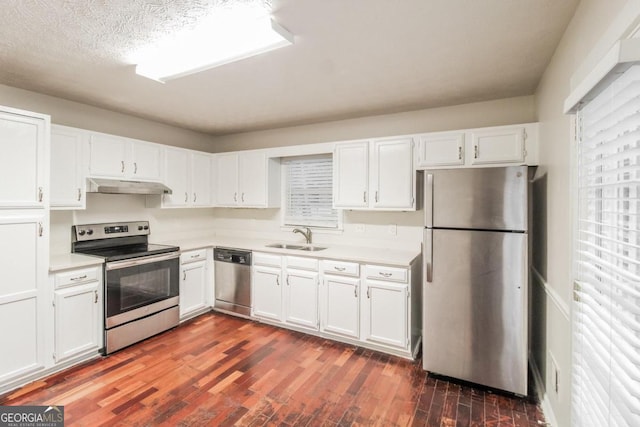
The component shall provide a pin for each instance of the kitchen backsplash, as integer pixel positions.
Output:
(394, 230)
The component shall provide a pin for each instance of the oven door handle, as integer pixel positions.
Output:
(116, 265)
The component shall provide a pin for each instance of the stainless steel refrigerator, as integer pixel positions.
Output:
(476, 275)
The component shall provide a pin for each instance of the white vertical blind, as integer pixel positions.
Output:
(309, 192)
(606, 310)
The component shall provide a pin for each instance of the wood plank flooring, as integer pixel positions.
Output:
(220, 371)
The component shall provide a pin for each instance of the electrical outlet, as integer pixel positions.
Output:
(393, 229)
(554, 375)
(360, 228)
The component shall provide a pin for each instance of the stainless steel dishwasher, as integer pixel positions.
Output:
(233, 281)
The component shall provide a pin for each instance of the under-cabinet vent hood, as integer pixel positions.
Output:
(116, 186)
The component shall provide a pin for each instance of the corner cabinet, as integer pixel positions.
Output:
(24, 252)
(188, 175)
(68, 147)
(247, 179)
(376, 175)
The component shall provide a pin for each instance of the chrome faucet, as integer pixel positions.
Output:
(307, 234)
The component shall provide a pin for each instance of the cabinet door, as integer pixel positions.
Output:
(67, 177)
(386, 313)
(498, 145)
(253, 179)
(22, 163)
(23, 279)
(341, 306)
(393, 174)
(192, 287)
(77, 320)
(200, 179)
(266, 293)
(227, 179)
(176, 177)
(146, 161)
(107, 156)
(441, 149)
(301, 298)
(351, 175)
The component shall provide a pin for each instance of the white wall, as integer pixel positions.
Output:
(74, 114)
(480, 114)
(594, 28)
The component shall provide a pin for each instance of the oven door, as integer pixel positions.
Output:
(139, 287)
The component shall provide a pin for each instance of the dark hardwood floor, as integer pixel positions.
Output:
(220, 370)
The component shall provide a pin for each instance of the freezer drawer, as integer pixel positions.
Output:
(477, 198)
(475, 307)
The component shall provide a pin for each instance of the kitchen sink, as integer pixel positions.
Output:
(296, 247)
(313, 248)
(284, 246)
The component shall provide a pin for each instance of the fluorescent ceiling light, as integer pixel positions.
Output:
(228, 34)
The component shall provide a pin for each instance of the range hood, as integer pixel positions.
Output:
(116, 186)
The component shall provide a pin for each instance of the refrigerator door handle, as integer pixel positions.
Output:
(428, 255)
(428, 200)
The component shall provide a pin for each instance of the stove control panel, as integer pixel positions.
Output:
(110, 230)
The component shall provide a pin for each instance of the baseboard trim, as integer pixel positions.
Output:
(553, 295)
(547, 409)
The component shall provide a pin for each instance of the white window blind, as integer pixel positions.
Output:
(309, 192)
(606, 310)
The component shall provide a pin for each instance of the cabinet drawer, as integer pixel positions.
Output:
(267, 259)
(193, 256)
(302, 263)
(76, 277)
(340, 267)
(387, 273)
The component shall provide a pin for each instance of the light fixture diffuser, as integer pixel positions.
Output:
(227, 35)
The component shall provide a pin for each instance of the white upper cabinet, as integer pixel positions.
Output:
(505, 144)
(392, 177)
(247, 179)
(351, 175)
(188, 174)
(23, 164)
(441, 149)
(67, 172)
(118, 157)
(491, 146)
(375, 174)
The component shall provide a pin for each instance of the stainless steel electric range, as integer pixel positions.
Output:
(141, 280)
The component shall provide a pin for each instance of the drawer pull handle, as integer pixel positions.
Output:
(339, 268)
(195, 256)
(383, 274)
(79, 278)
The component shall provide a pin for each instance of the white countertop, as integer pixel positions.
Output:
(59, 262)
(394, 257)
(384, 256)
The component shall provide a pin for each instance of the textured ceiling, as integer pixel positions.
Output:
(351, 58)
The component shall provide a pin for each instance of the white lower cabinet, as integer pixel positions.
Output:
(193, 283)
(385, 313)
(368, 305)
(301, 292)
(266, 287)
(341, 306)
(77, 301)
